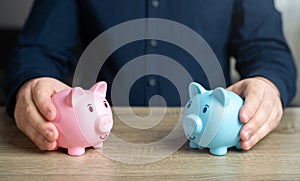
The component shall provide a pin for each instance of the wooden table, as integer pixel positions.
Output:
(277, 157)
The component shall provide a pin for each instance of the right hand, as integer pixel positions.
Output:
(34, 111)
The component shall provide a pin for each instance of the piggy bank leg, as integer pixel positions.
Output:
(76, 151)
(218, 151)
(193, 145)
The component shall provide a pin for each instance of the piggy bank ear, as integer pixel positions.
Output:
(220, 94)
(100, 88)
(195, 88)
(73, 95)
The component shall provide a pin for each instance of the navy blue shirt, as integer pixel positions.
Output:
(249, 30)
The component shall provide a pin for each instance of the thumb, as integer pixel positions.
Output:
(43, 101)
(42, 91)
(237, 88)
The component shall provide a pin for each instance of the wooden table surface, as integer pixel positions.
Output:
(277, 157)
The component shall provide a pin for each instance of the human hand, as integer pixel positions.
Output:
(262, 110)
(34, 111)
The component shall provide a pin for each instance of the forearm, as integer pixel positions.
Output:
(260, 48)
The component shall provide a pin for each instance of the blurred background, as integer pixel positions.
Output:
(13, 14)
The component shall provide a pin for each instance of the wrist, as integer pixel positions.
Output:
(271, 84)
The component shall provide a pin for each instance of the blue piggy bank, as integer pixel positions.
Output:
(211, 119)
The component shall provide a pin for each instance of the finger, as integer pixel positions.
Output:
(266, 128)
(41, 95)
(253, 98)
(36, 120)
(260, 117)
(237, 88)
(41, 142)
(28, 112)
(25, 126)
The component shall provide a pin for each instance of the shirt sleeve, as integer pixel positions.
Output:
(259, 46)
(45, 46)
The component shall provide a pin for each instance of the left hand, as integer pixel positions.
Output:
(262, 110)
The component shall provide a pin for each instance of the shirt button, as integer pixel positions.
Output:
(152, 82)
(153, 43)
(155, 3)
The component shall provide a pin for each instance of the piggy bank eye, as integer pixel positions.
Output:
(90, 107)
(105, 104)
(189, 104)
(205, 108)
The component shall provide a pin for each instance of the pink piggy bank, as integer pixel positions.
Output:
(83, 118)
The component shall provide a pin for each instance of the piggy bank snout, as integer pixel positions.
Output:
(192, 124)
(104, 124)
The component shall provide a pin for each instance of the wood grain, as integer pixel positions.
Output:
(276, 157)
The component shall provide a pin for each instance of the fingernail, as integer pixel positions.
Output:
(246, 135)
(247, 144)
(245, 117)
(49, 114)
(53, 146)
(49, 134)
